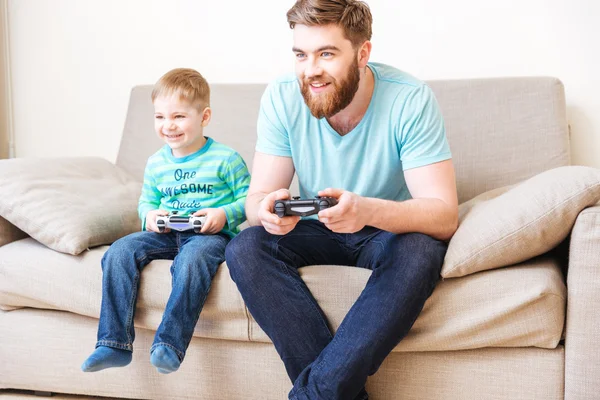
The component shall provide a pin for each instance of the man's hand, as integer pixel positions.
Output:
(349, 215)
(270, 221)
(151, 220)
(215, 220)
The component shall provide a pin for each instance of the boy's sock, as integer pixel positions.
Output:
(165, 359)
(106, 357)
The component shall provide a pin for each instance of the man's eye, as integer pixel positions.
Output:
(300, 55)
(326, 54)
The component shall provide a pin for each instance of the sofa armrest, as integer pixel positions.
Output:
(582, 335)
(9, 233)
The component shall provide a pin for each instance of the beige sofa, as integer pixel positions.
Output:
(488, 332)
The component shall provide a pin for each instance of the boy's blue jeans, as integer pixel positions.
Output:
(405, 269)
(196, 258)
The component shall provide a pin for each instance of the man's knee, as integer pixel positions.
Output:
(418, 252)
(240, 253)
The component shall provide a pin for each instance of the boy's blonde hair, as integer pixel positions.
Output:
(188, 83)
(354, 17)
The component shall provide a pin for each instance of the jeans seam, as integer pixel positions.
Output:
(115, 344)
(179, 353)
(131, 308)
(300, 390)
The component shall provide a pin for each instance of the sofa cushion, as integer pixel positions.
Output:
(513, 307)
(510, 225)
(44, 349)
(31, 275)
(69, 204)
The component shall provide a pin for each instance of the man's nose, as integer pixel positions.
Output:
(313, 69)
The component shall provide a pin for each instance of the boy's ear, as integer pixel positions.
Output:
(206, 114)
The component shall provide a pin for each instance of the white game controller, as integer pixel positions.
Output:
(179, 222)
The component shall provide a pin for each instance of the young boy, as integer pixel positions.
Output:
(193, 175)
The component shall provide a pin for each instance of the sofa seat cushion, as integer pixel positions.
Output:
(520, 306)
(32, 275)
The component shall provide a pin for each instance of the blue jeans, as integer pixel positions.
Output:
(405, 269)
(196, 258)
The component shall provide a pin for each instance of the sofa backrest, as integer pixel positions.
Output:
(501, 131)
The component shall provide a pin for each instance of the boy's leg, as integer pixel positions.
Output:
(405, 271)
(192, 272)
(265, 269)
(121, 267)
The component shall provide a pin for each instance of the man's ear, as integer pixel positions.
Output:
(206, 114)
(364, 53)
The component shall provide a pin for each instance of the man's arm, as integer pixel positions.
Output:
(270, 181)
(433, 210)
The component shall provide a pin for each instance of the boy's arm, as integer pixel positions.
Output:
(150, 197)
(238, 179)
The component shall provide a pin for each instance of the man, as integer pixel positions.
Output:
(372, 137)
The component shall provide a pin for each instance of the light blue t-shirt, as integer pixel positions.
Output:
(402, 129)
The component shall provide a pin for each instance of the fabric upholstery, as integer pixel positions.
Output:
(503, 130)
(522, 306)
(69, 204)
(582, 336)
(232, 370)
(523, 222)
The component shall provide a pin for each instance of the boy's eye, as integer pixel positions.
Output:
(180, 116)
(158, 117)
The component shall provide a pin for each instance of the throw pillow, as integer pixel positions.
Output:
(69, 204)
(511, 225)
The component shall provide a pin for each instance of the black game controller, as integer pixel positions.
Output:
(303, 208)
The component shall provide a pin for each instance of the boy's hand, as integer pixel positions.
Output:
(269, 220)
(151, 220)
(348, 215)
(215, 219)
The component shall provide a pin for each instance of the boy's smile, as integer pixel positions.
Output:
(180, 124)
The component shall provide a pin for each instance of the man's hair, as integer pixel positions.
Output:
(188, 83)
(353, 16)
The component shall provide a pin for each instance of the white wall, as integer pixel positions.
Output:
(74, 62)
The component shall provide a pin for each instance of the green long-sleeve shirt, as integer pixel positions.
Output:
(215, 176)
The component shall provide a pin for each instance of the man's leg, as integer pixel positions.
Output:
(193, 270)
(265, 269)
(405, 271)
(121, 267)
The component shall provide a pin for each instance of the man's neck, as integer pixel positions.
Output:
(347, 119)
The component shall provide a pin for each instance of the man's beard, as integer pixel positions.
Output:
(326, 105)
